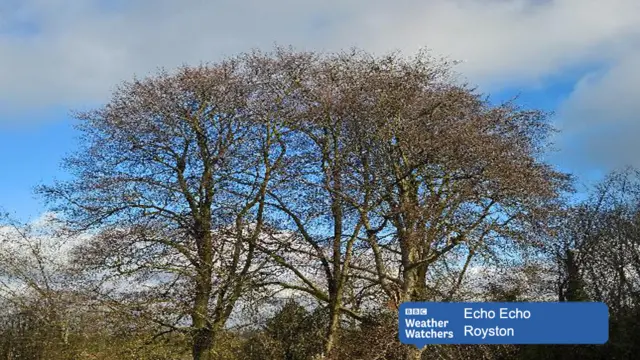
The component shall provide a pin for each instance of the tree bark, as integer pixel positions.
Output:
(202, 329)
(203, 332)
(202, 343)
(333, 328)
(334, 182)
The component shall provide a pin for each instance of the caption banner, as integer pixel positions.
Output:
(424, 323)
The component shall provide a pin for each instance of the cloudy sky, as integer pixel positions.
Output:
(577, 58)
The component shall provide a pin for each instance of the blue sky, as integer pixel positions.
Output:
(31, 155)
(577, 58)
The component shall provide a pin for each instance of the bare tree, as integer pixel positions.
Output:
(354, 173)
(420, 173)
(36, 283)
(450, 172)
(314, 199)
(173, 174)
(599, 251)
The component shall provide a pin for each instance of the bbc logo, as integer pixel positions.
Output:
(415, 311)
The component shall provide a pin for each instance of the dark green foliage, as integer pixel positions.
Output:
(293, 333)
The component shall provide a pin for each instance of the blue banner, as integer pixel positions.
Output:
(424, 323)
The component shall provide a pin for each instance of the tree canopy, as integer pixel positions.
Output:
(348, 181)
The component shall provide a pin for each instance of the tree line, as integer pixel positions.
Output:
(282, 205)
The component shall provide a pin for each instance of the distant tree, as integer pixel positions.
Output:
(37, 289)
(298, 330)
(598, 255)
(292, 333)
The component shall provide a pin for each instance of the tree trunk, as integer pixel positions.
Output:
(339, 270)
(575, 285)
(414, 286)
(334, 327)
(413, 276)
(202, 330)
(202, 344)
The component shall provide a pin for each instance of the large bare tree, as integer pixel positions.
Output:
(173, 174)
(388, 175)
(314, 200)
(441, 171)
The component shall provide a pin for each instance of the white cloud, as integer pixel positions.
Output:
(41, 236)
(67, 54)
(600, 119)
(83, 48)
